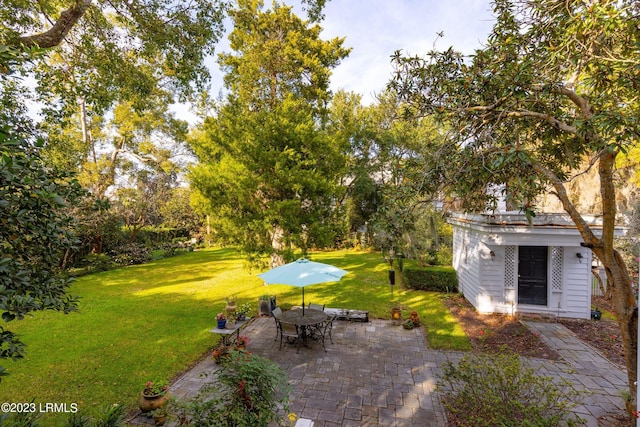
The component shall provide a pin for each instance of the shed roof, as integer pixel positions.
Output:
(549, 226)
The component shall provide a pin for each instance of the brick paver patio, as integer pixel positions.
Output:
(378, 374)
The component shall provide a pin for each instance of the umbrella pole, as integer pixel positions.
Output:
(303, 301)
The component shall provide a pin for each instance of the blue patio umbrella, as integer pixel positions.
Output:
(302, 273)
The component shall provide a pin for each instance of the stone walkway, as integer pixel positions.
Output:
(379, 374)
(586, 368)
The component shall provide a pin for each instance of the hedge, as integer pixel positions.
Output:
(436, 278)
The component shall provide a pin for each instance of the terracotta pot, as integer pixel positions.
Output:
(415, 318)
(151, 403)
(160, 419)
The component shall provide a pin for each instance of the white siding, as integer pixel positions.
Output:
(492, 278)
(491, 285)
(577, 283)
(465, 262)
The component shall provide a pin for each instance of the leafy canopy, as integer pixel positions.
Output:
(556, 84)
(267, 168)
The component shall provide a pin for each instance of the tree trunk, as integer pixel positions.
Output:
(626, 311)
(618, 279)
(277, 245)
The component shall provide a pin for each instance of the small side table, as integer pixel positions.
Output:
(227, 334)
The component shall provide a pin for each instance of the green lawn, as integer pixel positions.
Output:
(152, 321)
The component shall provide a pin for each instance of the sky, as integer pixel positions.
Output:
(375, 29)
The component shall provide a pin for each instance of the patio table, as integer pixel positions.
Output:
(311, 318)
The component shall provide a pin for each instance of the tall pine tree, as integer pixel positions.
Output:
(268, 169)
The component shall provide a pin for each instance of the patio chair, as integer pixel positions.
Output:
(324, 330)
(288, 331)
(316, 306)
(276, 313)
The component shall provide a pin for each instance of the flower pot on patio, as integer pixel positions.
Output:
(231, 308)
(396, 314)
(415, 318)
(154, 396)
(153, 402)
(160, 419)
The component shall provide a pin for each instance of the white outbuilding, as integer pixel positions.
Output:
(506, 265)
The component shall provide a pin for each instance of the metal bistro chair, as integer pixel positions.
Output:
(324, 330)
(276, 313)
(289, 330)
(316, 306)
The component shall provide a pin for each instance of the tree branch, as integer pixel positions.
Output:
(578, 100)
(60, 29)
(544, 117)
(561, 193)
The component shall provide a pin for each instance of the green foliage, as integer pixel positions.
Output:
(22, 419)
(95, 263)
(484, 390)
(34, 232)
(437, 279)
(249, 390)
(95, 224)
(552, 86)
(110, 416)
(268, 172)
(177, 212)
(395, 150)
(110, 49)
(130, 254)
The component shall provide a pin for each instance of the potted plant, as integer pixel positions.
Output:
(160, 415)
(154, 395)
(408, 324)
(243, 311)
(415, 318)
(242, 341)
(220, 353)
(222, 320)
(232, 306)
(396, 311)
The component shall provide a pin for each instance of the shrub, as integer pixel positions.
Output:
(497, 390)
(130, 254)
(97, 262)
(439, 278)
(248, 390)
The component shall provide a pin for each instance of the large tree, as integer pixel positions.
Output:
(267, 167)
(115, 64)
(554, 90)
